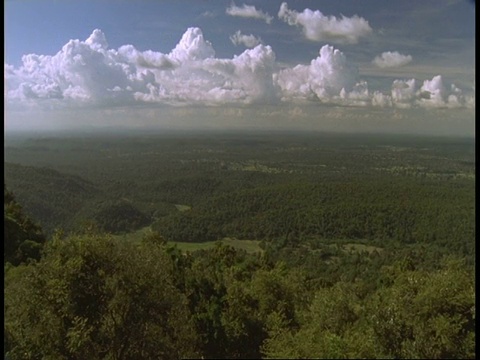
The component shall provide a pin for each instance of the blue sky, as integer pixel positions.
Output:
(370, 65)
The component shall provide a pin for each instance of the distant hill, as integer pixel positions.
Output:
(23, 239)
(69, 202)
(50, 197)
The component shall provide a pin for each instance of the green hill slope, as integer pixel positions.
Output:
(51, 197)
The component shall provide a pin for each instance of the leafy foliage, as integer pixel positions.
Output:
(94, 298)
(426, 315)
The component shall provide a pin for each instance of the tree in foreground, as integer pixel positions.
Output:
(419, 315)
(92, 297)
(427, 314)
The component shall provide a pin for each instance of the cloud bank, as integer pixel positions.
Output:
(248, 11)
(390, 59)
(319, 27)
(88, 73)
(249, 41)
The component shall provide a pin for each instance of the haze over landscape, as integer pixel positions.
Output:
(405, 67)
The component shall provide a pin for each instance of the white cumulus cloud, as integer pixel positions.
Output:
(88, 72)
(381, 100)
(404, 93)
(248, 11)
(249, 41)
(432, 94)
(319, 27)
(192, 46)
(324, 79)
(390, 59)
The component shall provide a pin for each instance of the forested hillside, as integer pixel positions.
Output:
(377, 210)
(364, 247)
(23, 239)
(51, 197)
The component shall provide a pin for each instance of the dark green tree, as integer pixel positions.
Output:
(23, 239)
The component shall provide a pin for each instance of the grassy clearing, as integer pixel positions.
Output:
(250, 246)
(361, 247)
(183, 207)
(133, 236)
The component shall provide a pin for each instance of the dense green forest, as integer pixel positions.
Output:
(365, 249)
